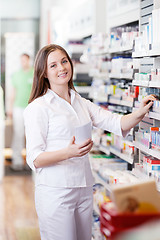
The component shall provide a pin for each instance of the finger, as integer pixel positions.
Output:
(149, 105)
(88, 141)
(86, 148)
(72, 140)
(84, 153)
(148, 98)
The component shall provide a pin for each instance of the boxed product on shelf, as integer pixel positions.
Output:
(151, 164)
(96, 233)
(98, 160)
(116, 176)
(143, 137)
(122, 145)
(155, 137)
(113, 224)
(99, 196)
(137, 197)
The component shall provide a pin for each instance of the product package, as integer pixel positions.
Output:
(140, 197)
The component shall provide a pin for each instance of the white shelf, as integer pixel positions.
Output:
(149, 53)
(154, 115)
(83, 89)
(95, 208)
(140, 83)
(105, 150)
(121, 75)
(154, 52)
(142, 176)
(99, 179)
(139, 175)
(100, 100)
(151, 152)
(123, 156)
(154, 84)
(126, 48)
(121, 102)
(144, 83)
(100, 52)
(140, 54)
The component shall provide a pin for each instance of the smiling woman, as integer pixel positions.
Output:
(63, 195)
(41, 83)
(58, 72)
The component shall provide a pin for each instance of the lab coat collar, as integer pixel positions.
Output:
(50, 95)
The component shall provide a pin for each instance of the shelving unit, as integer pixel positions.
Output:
(106, 82)
(104, 149)
(99, 179)
(146, 150)
(123, 156)
(146, 64)
(149, 60)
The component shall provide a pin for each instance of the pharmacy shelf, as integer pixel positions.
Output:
(100, 75)
(154, 84)
(154, 115)
(138, 174)
(104, 149)
(123, 156)
(100, 99)
(142, 176)
(140, 54)
(95, 208)
(127, 48)
(120, 102)
(144, 149)
(121, 76)
(140, 83)
(99, 179)
(100, 52)
(149, 53)
(83, 89)
(143, 83)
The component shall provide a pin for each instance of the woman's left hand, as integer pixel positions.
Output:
(146, 104)
(130, 120)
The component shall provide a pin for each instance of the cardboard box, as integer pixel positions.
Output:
(136, 198)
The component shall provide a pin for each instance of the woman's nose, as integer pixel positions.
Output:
(61, 66)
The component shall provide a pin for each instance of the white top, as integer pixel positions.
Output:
(50, 123)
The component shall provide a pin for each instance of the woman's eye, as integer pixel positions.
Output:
(53, 65)
(64, 61)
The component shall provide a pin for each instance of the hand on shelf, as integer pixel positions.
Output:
(146, 104)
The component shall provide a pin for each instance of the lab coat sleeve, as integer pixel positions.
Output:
(36, 129)
(105, 119)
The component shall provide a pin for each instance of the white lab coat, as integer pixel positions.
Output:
(50, 123)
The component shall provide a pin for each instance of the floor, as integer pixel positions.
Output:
(18, 218)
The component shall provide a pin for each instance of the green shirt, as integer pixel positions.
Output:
(22, 82)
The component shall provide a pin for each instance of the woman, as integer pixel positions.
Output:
(63, 193)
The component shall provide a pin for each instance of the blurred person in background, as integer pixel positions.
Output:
(21, 83)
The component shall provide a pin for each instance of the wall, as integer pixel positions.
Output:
(19, 8)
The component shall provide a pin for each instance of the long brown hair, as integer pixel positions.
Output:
(40, 82)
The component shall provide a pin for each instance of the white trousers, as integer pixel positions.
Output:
(64, 213)
(18, 136)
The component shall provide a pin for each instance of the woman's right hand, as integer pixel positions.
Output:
(79, 150)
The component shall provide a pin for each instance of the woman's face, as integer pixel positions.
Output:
(58, 69)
